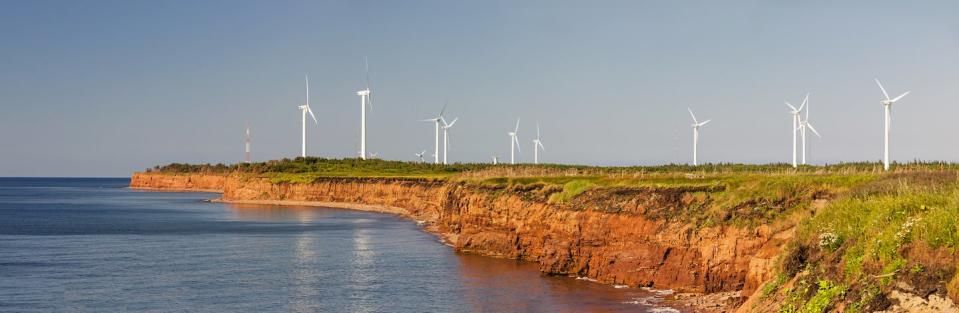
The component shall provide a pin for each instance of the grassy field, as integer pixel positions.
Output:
(873, 228)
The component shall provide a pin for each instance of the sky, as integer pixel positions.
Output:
(105, 88)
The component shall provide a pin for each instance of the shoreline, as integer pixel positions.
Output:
(690, 301)
(196, 190)
(335, 205)
(669, 299)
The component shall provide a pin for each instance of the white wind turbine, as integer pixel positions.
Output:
(446, 138)
(887, 105)
(365, 99)
(803, 125)
(306, 109)
(696, 125)
(495, 159)
(420, 156)
(436, 120)
(537, 144)
(514, 143)
(795, 112)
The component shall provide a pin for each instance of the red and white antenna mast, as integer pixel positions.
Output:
(247, 158)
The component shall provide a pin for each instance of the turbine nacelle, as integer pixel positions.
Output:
(796, 111)
(887, 100)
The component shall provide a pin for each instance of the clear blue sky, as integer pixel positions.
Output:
(103, 88)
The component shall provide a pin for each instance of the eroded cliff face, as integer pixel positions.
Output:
(617, 236)
(178, 182)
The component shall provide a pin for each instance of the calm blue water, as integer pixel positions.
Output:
(93, 245)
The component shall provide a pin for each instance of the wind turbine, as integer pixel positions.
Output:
(514, 143)
(446, 138)
(420, 156)
(306, 109)
(495, 159)
(537, 144)
(795, 112)
(246, 156)
(887, 105)
(803, 125)
(436, 120)
(365, 99)
(696, 125)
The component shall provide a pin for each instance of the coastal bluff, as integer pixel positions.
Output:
(623, 236)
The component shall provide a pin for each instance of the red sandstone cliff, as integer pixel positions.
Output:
(178, 182)
(621, 236)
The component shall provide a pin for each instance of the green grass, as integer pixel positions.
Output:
(876, 224)
(875, 228)
(827, 293)
(570, 190)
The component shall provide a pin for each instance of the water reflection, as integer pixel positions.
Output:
(362, 274)
(304, 274)
(496, 285)
(268, 213)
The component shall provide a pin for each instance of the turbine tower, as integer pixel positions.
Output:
(246, 156)
(306, 109)
(537, 144)
(446, 138)
(696, 125)
(795, 112)
(365, 99)
(887, 106)
(436, 120)
(803, 126)
(513, 143)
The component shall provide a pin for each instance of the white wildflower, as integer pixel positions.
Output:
(828, 239)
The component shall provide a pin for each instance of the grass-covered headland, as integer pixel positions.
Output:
(859, 231)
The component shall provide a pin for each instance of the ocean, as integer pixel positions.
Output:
(93, 245)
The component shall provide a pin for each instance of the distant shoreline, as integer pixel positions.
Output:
(177, 189)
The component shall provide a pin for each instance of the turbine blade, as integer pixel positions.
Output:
(791, 107)
(693, 115)
(537, 131)
(900, 96)
(453, 122)
(366, 63)
(704, 123)
(444, 108)
(540, 144)
(428, 120)
(308, 110)
(516, 129)
(369, 88)
(369, 100)
(307, 89)
(804, 102)
(813, 130)
(884, 93)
